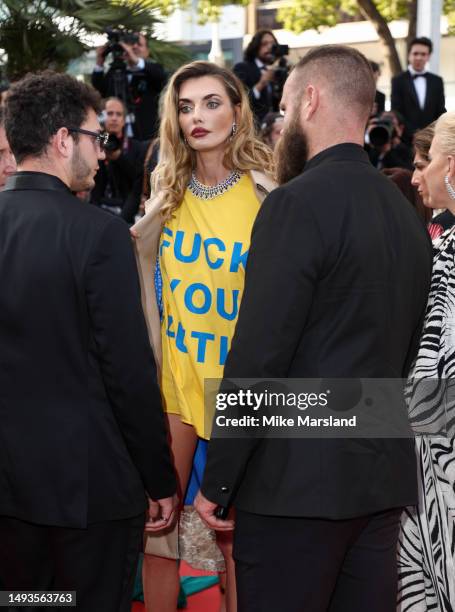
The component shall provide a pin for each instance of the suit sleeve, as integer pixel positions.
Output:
(241, 70)
(131, 205)
(156, 75)
(99, 82)
(125, 356)
(285, 261)
(442, 100)
(396, 96)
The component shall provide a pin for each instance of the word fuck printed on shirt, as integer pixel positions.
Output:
(197, 297)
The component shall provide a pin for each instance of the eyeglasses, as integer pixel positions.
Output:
(100, 138)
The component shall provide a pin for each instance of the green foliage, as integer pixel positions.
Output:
(210, 10)
(168, 55)
(393, 9)
(449, 10)
(314, 14)
(207, 10)
(42, 34)
(166, 7)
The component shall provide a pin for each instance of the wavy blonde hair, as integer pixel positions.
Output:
(244, 151)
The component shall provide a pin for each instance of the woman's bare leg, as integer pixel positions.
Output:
(222, 585)
(224, 541)
(160, 576)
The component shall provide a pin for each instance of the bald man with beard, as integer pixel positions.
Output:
(336, 288)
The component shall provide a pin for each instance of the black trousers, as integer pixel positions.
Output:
(314, 565)
(99, 562)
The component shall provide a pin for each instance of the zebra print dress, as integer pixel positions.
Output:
(426, 552)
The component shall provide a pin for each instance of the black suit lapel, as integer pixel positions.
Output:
(430, 92)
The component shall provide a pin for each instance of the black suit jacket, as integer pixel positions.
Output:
(82, 434)
(379, 101)
(405, 101)
(336, 287)
(125, 176)
(250, 74)
(142, 96)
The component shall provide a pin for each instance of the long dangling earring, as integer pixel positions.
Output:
(233, 130)
(450, 189)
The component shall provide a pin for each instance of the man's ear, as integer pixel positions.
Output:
(63, 143)
(311, 102)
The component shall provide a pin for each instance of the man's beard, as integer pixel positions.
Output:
(291, 152)
(81, 172)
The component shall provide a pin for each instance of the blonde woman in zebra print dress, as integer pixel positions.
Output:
(426, 556)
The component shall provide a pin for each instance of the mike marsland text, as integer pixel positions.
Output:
(281, 421)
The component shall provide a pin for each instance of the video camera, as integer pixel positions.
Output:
(279, 50)
(381, 132)
(114, 38)
(282, 70)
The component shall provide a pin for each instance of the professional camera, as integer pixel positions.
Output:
(279, 50)
(282, 70)
(118, 67)
(114, 38)
(113, 144)
(381, 132)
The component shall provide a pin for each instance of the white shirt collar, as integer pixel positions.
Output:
(413, 72)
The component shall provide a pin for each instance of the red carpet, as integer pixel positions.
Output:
(205, 601)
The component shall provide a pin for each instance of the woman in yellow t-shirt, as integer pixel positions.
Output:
(206, 191)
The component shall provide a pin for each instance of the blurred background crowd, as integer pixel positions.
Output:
(128, 50)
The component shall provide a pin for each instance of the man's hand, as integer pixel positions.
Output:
(161, 513)
(266, 77)
(100, 55)
(113, 155)
(131, 58)
(206, 510)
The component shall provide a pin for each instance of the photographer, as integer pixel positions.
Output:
(383, 142)
(264, 80)
(118, 182)
(132, 77)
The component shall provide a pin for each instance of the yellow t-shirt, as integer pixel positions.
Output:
(202, 255)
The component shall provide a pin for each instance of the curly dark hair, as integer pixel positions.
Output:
(251, 51)
(39, 105)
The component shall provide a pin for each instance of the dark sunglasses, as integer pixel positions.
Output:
(100, 138)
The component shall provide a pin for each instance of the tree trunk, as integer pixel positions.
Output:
(412, 28)
(369, 10)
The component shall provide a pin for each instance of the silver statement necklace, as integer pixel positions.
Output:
(207, 192)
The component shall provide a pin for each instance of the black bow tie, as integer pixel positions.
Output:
(420, 74)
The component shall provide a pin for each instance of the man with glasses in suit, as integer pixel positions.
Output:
(83, 440)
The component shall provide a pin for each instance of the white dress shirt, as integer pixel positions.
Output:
(420, 85)
(260, 65)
